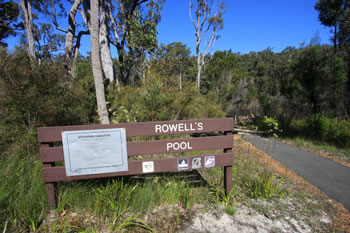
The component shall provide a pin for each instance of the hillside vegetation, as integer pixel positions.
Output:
(297, 92)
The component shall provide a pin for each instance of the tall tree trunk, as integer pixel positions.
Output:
(347, 97)
(70, 53)
(96, 62)
(180, 80)
(26, 6)
(199, 70)
(122, 70)
(335, 39)
(106, 58)
(199, 57)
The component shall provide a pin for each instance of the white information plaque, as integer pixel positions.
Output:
(94, 151)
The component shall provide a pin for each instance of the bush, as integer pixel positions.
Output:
(42, 96)
(154, 101)
(270, 126)
(339, 132)
(321, 128)
(264, 185)
(22, 192)
(319, 125)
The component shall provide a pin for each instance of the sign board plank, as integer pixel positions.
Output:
(55, 154)
(56, 174)
(53, 134)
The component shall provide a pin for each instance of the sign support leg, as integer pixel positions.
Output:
(228, 169)
(228, 178)
(51, 194)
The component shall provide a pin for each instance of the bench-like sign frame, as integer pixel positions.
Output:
(50, 154)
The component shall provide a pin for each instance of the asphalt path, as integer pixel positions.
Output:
(330, 177)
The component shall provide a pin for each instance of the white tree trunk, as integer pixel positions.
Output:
(180, 81)
(26, 6)
(106, 58)
(199, 70)
(96, 62)
(207, 18)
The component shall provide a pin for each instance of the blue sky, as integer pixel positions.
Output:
(249, 25)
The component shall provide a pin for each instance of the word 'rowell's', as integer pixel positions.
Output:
(180, 127)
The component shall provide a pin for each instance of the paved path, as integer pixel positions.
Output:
(330, 177)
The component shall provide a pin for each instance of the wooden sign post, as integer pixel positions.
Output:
(50, 154)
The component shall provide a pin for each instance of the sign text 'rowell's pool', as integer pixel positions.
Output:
(179, 127)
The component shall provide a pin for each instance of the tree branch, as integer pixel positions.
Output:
(114, 25)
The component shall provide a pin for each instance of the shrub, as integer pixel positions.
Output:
(319, 125)
(22, 192)
(42, 96)
(322, 128)
(264, 185)
(154, 101)
(270, 126)
(339, 132)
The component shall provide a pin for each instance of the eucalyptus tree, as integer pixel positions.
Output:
(9, 12)
(94, 27)
(334, 14)
(173, 60)
(133, 23)
(26, 6)
(321, 79)
(207, 22)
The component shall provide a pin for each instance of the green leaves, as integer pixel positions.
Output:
(156, 101)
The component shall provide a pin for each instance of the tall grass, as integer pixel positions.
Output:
(22, 192)
(320, 127)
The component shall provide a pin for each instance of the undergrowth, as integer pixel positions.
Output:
(321, 129)
(320, 147)
(124, 204)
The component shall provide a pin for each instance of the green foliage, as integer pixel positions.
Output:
(133, 222)
(83, 90)
(31, 97)
(270, 126)
(39, 97)
(314, 82)
(155, 101)
(319, 125)
(330, 130)
(137, 32)
(334, 14)
(172, 62)
(47, 41)
(322, 128)
(9, 12)
(115, 197)
(264, 185)
(226, 199)
(22, 192)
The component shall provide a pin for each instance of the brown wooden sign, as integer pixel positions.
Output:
(49, 154)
